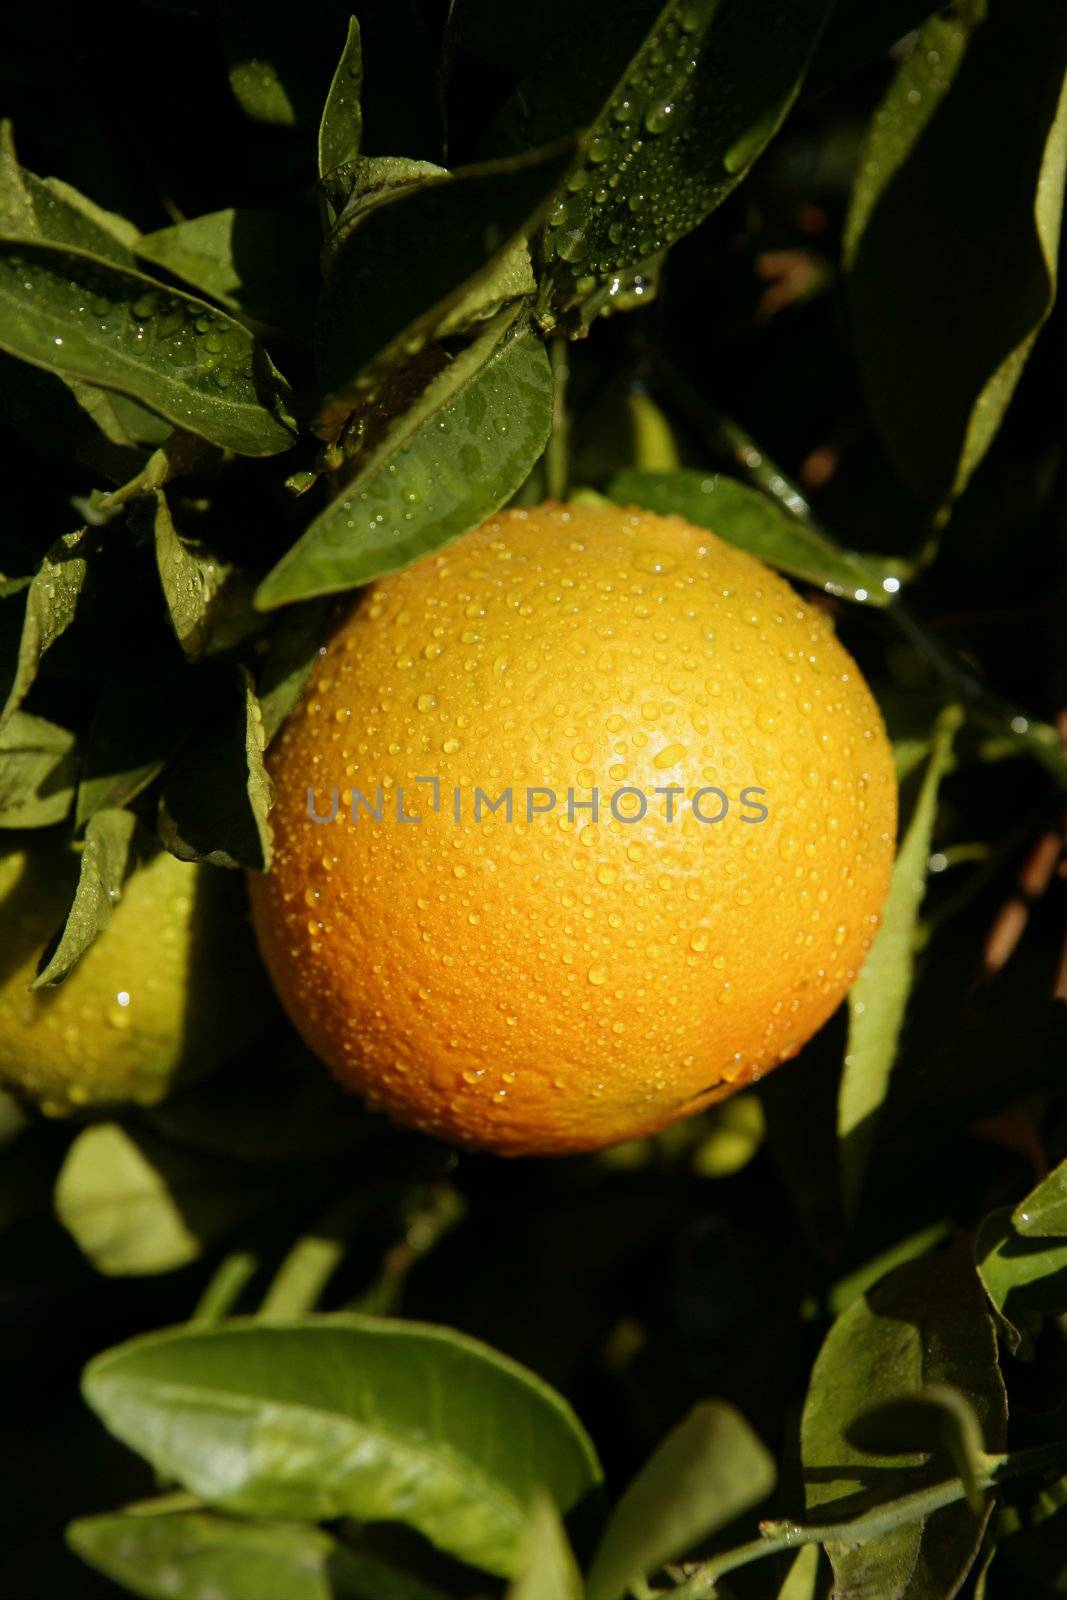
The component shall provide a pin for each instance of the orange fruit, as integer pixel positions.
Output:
(166, 992)
(551, 982)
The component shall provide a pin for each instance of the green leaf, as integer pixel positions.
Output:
(359, 185)
(350, 1416)
(707, 1471)
(136, 1206)
(1025, 1278)
(1043, 1213)
(448, 463)
(32, 208)
(750, 520)
(261, 262)
(86, 318)
(803, 1578)
(387, 294)
(937, 1419)
(342, 120)
(675, 124)
(878, 999)
(953, 235)
(38, 772)
(217, 795)
(922, 1325)
(547, 1568)
(189, 1555)
(52, 602)
(105, 863)
(208, 600)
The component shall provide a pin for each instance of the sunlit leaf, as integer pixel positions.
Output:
(342, 120)
(547, 1568)
(350, 1416)
(208, 600)
(52, 602)
(105, 861)
(38, 772)
(1024, 1277)
(84, 317)
(1044, 1211)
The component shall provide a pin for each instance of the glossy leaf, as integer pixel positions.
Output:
(448, 463)
(547, 1570)
(952, 240)
(261, 262)
(1044, 1211)
(136, 1206)
(677, 104)
(342, 119)
(208, 600)
(921, 1325)
(105, 862)
(1025, 1278)
(188, 1555)
(217, 796)
(750, 520)
(86, 318)
(52, 602)
(878, 999)
(707, 1471)
(350, 1416)
(38, 772)
(387, 294)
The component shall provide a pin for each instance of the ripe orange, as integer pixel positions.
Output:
(165, 993)
(559, 983)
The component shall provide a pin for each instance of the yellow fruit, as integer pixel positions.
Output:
(559, 984)
(166, 992)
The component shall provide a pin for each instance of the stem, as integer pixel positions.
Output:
(778, 1537)
(312, 1261)
(225, 1287)
(557, 467)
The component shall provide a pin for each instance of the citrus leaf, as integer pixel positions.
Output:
(677, 105)
(35, 208)
(208, 600)
(104, 864)
(923, 1324)
(217, 796)
(952, 239)
(1025, 1278)
(387, 294)
(878, 999)
(342, 120)
(135, 1206)
(937, 1419)
(803, 1577)
(188, 1555)
(1044, 1211)
(52, 602)
(350, 1416)
(84, 317)
(750, 520)
(263, 262)
(707, 1471)
(38, 772)
(448, 463)
(547, 1569)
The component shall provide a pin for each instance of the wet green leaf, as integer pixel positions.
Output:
(953, 235)
(921, 1325)
(86, 318)
(188, 1555)
(262, 262)
(217, 795)
(1043, 1213)
(387, 295)
(208, 600)
(350, 1416)
(750, 520)
(52, 602)
(547, 1568)
(1025, 1278)
(105, 862)
(135, 1206)
(342, 119)
(444, 466)
(38, 772)
(707, 1471)
(878, 999)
